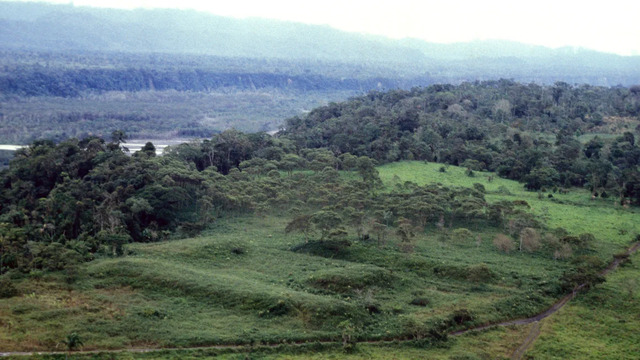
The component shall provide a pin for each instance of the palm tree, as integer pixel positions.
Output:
(72, 342)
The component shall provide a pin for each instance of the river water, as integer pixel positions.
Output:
(133, 147)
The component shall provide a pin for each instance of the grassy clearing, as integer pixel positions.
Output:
(611, 224)
(241, 283)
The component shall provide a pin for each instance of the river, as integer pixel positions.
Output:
(133, 147)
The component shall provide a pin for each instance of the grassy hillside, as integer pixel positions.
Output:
(574, 211)
(601, 324)
(245, 281)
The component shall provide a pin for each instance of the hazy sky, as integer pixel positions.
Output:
(611, 25)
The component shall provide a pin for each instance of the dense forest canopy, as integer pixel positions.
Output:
(529, 132)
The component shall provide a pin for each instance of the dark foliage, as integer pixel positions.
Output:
(501, 126)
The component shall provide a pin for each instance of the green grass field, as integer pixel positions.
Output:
(601, 324)
(612, 225)
(241, 283)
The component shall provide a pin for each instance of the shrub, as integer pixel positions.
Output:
(7, 289)
(462, 235)
(521, 203)
(327, 248)
(560, 232)
(529, 240)
(479, 187)
(563, 252)
(586, 239)
(153, 313)
(571, 240)
(480, 273)
(585, 271)
(460, 317)
(503, 243)
(551, 241)
(420, 301)
(416, 329)
(238, 250)
(278, 309)
(341, 280)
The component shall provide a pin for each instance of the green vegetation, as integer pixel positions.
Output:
(245, 281)
(249, 239)
(522, 132)
(600, 324)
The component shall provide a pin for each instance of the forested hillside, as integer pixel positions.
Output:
(545, 136)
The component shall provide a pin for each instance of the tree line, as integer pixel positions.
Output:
(62, 204)
(60, 82)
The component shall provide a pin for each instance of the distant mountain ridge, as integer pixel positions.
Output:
(48, 27)
(29, 26)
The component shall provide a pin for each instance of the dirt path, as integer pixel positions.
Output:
(533, 335)
(518, 353)
(558, 304)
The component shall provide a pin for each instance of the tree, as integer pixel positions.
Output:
(73, 341)
(118, 137)
(300, 224)
(290, 162)
(406, 232)
(349, 162)
(585, 272)
(149, 149)
(327, 222)
(367, 170)
(563, 252)
(379, 230)
(540, 177)
(462, 235)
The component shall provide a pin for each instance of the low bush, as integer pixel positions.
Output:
(503, 243)
(460, 316)
(480, 273)
(348, 280)
(420, 301)
(7, 289)
(327, 248)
